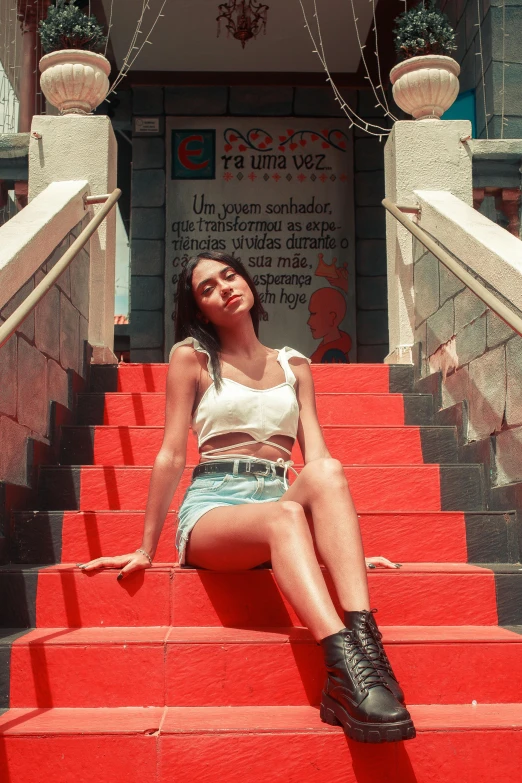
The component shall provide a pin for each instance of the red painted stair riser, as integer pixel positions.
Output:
(429, 674)
(351, 445)
(90, 534)
(70, 598)
(79, 759)
(57, 674)
(373, 488)
(402, 597)
(372, 409)
(353, 378)
(400, 537)
(301, 756)
(466, 756)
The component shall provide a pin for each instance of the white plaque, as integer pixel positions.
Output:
(146, 124)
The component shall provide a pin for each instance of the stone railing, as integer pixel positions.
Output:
(47, 359)
(478, 356)
(464, 354)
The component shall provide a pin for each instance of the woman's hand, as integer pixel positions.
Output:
(382, 562)
(127, 563)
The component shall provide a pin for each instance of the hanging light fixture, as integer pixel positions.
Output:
(245, 19)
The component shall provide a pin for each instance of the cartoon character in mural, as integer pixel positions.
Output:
(327, 308)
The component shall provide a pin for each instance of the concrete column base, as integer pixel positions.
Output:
(83, 148)
(430, 155)
(102, 354)
(403, 354)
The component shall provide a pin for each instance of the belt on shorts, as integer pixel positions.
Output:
(243, 466)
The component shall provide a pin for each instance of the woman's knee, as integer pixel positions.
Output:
(290, 519)
(326, 472)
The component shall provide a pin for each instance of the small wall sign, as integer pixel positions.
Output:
(146, 124)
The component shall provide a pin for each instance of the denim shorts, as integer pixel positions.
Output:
(226, 489)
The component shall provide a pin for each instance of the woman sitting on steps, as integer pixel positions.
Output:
(239, 511)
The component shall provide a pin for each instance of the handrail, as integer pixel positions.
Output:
(480, 290)
(9, 327)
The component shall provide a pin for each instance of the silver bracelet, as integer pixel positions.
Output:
(142, 551)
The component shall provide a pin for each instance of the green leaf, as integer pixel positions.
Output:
(423, 30)
(68, 27)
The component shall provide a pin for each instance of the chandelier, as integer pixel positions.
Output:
(243, 18)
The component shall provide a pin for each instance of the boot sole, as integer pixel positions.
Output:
(334, 714)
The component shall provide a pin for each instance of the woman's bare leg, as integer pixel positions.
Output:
(322, 490)
(242, 537)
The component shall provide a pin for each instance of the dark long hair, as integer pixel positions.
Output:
(187, 322)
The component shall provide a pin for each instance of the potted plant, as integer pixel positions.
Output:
(426, 83)
(74, 73)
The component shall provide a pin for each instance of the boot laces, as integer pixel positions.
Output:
(364, 670)
(371, 639)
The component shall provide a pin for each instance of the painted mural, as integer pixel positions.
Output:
(277, 193)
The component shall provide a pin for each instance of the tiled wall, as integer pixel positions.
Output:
(42, 360)
(481, 360)
(463, 15)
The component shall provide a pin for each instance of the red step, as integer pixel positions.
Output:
(64, 599)
(148, 409)
(398, 536)
(379, 378)
(96, 667)
(90, 534)
(269, 744)
(374, 488)
(352, 444)
(464, 593)
(80, 746)
(170, 595)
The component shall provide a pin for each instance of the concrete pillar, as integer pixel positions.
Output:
(73, 148)
(424, 155)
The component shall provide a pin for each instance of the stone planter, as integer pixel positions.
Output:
(74, 80)
(425, 87)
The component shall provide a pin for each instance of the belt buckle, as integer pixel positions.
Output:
(267, 471)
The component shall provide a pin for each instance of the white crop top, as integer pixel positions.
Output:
(260, 413)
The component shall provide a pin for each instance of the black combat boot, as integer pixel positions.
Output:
(355, 696)
(365, 628)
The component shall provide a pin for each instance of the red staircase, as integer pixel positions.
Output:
(179, 674)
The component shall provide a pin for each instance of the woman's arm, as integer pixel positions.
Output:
(309, 433)
(171, 459)
(169, 464)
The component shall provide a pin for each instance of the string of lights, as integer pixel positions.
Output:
(132, 45)
(10, 68)
(355, 119)
(503, 120)
(385, 99)
(362, 47)
(37, 93)
(129, 58)
(9, 87)
(480, 54)
(109, 28)
(4, 80)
